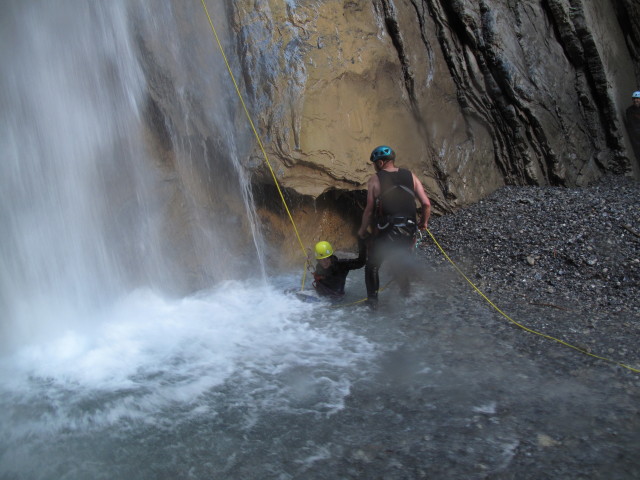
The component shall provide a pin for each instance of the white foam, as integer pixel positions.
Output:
(488, 408)
(148, 354)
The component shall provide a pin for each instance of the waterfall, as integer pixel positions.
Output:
(133, 297)
(89, 210)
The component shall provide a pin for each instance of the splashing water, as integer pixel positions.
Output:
(93, 355)
(233, 354)
(132, 344)
(88, 214)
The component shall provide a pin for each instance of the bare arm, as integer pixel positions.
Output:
(424, 202)
(373, 188)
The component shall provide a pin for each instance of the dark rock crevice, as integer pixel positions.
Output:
(628, 14)
(511, 96)
(439, 173)
(565, 31)
(597, 77)
(460, 39)
(456, 42)
(394, 31)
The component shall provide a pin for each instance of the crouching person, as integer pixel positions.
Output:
(331, 272)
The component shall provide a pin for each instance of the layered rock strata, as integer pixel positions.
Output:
(473, 95)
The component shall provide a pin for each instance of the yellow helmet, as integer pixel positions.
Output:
(323, 250)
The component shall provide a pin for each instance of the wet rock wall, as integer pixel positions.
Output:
(473, 95)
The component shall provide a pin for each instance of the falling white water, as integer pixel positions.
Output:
(69, 92)
(120, 180)
(97, 225)
(86, 212)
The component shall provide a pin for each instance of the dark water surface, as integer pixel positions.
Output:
(101, 380)
(244, 382)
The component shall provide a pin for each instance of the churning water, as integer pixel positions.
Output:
(102, 375)
(106, 372)
(148, 382)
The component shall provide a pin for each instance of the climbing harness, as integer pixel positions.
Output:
(420, 238)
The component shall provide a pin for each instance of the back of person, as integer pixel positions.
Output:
(391, 211)
(396, 205)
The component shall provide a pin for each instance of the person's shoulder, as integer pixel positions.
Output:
(407, 173)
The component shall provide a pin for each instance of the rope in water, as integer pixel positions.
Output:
(266, 158)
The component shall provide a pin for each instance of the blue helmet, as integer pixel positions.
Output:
(382, 153)
(635, 94)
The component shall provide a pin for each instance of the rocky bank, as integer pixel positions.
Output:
(564, 262)
(461, 392)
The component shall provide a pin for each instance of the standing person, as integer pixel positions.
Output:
(391, 212)
(331, 271)
(633, 122)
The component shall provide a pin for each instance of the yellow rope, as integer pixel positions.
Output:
(581, 350)
(336, 305)
(255, 132)
(266, 158)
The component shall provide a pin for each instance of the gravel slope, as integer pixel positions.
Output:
(564, 262)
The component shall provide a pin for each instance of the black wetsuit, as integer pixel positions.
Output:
(330, 281)
(633, 126)
(395, 225)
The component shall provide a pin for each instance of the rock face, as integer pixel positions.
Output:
(473, 95)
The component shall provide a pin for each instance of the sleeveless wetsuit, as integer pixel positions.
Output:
(397, 197)
(395, 223)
